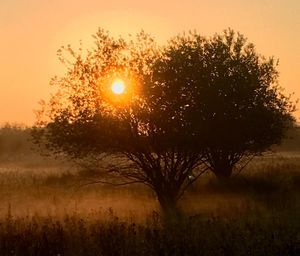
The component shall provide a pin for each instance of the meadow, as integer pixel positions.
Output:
(44, 211)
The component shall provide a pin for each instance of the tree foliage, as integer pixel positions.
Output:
(144, 142)
(195, 102)
(232, 92)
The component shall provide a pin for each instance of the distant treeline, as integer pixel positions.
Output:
(292, 140)
(16, 141)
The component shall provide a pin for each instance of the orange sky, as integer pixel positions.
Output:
(32, 31)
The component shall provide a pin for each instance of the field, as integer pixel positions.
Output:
(43, 211)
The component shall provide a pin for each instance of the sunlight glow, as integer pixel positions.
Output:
(118, 86)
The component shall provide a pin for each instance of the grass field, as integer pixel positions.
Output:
(44, 212)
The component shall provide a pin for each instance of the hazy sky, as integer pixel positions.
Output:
(33, 30)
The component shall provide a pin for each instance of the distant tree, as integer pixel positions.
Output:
(232, 92)
(141, 135)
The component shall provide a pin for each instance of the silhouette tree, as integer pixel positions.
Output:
(232, 92)
(140, 135)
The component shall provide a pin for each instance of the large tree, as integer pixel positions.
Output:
(232, 92)
(143, 135)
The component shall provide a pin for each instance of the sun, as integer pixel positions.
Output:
(118, 86)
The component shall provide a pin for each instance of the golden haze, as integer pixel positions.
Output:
(33, 30)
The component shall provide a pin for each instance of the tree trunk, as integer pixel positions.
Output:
(168, 204)
(223, 172)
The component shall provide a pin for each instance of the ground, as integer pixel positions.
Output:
(44, 212)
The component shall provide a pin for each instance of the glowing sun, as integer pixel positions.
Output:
(118, 86)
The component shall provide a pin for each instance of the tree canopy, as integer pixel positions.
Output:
(228, 92)
(152, 145)
(194, 103)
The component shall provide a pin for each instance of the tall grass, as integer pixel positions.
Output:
(249, 235)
